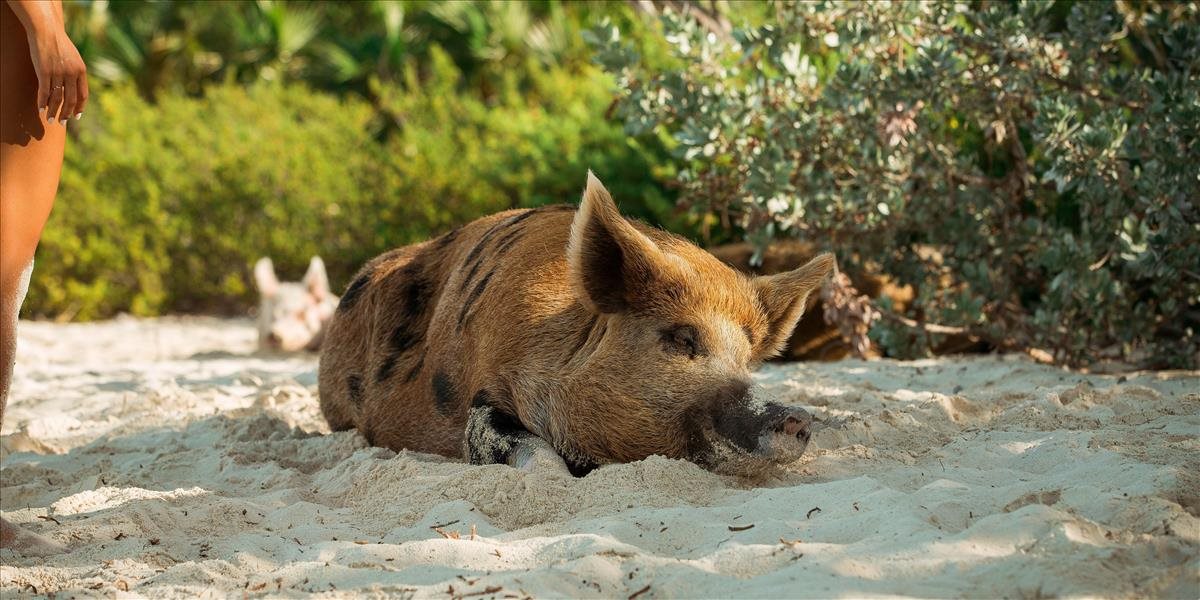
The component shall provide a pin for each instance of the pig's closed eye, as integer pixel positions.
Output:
(681, 339)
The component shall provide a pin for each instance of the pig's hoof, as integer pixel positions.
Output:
(27, 543)
(537, 455)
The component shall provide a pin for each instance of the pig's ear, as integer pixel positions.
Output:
(611, 262)
(264, 277)
(784, 297)
(315, 278)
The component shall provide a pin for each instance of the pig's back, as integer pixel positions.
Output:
(422, 328)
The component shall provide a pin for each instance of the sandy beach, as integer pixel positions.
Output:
(176, 461)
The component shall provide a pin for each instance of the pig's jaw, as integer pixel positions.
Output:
(575, 416)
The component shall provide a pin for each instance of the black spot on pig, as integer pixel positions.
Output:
(445, 397)
(353, 292)
(354, 387)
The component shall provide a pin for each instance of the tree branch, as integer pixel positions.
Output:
(926, 327)
(712, 20)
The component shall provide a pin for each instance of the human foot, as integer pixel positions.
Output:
(27, 543)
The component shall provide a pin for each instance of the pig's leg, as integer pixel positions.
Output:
(493, 437)
(533, 453)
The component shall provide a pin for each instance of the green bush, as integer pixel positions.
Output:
(1030, 167)
(165, 206)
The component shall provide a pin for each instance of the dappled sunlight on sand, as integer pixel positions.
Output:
(194, 465)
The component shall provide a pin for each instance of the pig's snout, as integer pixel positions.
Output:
(769, 430)
(788, 437)
(797, 423)
(273, 340)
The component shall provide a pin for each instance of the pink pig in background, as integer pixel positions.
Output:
(292, 316)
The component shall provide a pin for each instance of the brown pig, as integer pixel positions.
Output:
(563, 336)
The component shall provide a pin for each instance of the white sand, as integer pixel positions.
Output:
(176, 462)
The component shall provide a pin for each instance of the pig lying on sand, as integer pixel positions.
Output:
(568, 337)
(293, 316)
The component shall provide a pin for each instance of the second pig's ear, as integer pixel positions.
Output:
(265, 279)
(315, 279)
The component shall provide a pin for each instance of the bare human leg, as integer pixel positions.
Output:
(31, 153)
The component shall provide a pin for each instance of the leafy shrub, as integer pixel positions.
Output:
(1031, 168)
(165, 206)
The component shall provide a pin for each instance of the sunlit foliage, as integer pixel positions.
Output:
(1033, 168)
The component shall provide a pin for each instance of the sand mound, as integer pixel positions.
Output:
(178, 462)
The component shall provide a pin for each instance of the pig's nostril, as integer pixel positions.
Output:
(274, 339)
(797, 427)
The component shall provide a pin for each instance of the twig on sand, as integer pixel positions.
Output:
(814, 509)
(492, 589)
(740, 527)
(639, 592)
(446, 524)
(49, 518)
(450, 535)
(793, 546)
(176, 560)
